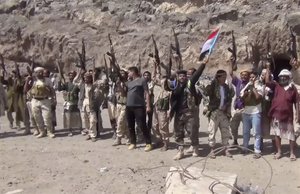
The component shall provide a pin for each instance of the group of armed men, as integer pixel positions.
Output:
(133, 99)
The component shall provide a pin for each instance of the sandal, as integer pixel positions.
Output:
(277, 156)
(256, 156)
(228, 154)
(212, 155)
(293, 157)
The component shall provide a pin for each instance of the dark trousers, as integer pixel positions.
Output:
(137, 115)
(149, 121)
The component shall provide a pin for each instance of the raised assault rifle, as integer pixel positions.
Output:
(233, 51)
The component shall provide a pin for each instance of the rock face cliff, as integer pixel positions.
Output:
(50, 30)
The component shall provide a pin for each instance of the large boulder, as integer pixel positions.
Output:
(48, 31)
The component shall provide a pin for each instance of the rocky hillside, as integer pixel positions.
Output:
(50, 30)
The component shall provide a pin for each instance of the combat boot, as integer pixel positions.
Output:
(51, 135)
(41, 135)
(165, 146)
(36, 133)
(190, 150)
(131, 146)
(93, 139)
(148, 148)
(117, 141)
(180, 154)
(27, 132)
(195, 151)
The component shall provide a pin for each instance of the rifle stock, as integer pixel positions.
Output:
(156, 53)
(82, 58)
(106, 67)
(113, 60)
(29, 70)
(17, 70)
(3, 65)
(61, 75)
(233, 51)
(139, 64)
(293, 44)
(169, 69)
(177, 49)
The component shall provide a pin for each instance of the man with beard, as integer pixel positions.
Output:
(121, 98)
(252, 96)
(239, 84)
(42, 94)
(3, 100)
(29, 80)
(148, 78)
(71, 115)
(138, 103)
(185, 102)
(53, 101)
(281, 111)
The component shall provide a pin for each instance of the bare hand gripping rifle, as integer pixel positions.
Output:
(176, 48)
(233, 51)
(113, 61)
(82, 56)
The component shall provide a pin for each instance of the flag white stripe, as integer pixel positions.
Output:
(207, 45)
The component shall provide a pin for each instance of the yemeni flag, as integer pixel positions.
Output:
(209, 44)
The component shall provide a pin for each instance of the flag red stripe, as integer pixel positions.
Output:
(212, 35)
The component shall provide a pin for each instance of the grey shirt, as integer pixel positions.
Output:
(136, 92)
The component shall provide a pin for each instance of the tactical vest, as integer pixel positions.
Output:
(215, 97)
(163, 104)
(71, 93)
(40, 90)
(121, 99)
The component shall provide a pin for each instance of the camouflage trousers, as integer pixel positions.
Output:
(112, 113)
(41, 110)
(29, 116)
(121, 121)
(187, 120)
(161, 124)
(235, 123)
(218, 120)
(90, 120)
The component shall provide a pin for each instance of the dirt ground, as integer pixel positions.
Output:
(74, 165)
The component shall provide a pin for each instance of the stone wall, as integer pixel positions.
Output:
(48, 31)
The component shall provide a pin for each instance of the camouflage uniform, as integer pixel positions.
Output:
(71, 116)
(28, 108)
(185, 101)
(92, 98)
(219, 115)
(41, 93)
(100, 87)
(112, 107)
(161, 108)
(121, 99)
(3, 100)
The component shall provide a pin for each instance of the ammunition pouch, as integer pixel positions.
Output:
(163, 104)
(38, 91)
(191, 101)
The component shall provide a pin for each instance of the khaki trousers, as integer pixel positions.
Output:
(41, 110)
(189, 121)
(161, 124)
(90, 120)
(121, 121)
(218, 119)
(235, 123)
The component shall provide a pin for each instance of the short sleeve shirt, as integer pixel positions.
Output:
(136, 92)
